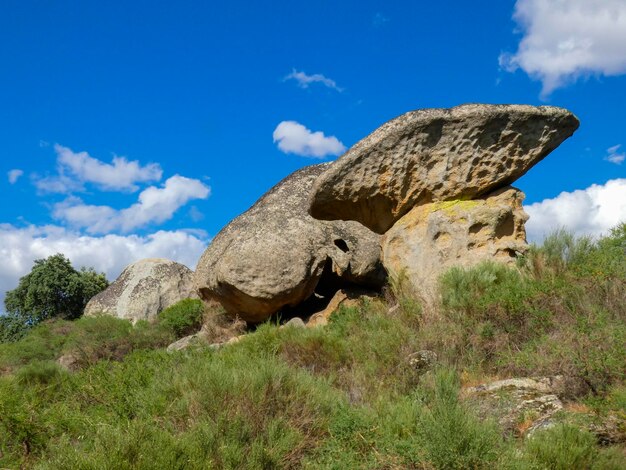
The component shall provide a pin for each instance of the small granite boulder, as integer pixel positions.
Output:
(144, 289)
(432, 155)
(520, 405)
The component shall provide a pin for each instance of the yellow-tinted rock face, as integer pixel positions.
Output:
(434, 237)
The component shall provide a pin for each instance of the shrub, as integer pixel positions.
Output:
(108, 338)
(88, 339)
(562, 447)
(53, 289)
(453, 437)
(183, 318)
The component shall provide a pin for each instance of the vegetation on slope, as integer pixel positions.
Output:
(343, 396)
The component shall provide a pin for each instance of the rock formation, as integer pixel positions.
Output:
(144, 289)
(433, 155)
(512, 401)
(434, 237)
(440, 175)
(435, 182)
(275, 254)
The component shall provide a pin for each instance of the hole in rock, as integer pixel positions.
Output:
(506, 252)
(507, 227)
(342, 245)
(328, 285)
(477, 228)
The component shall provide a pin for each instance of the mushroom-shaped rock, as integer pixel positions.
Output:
(144, 289)
(274, 254)
(434, 237)
(432, 155)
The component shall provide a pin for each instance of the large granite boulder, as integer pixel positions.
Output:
(434, 237)
(434, 155)
(144, 289)
(274, 255)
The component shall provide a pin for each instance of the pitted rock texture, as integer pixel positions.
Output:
(436, 236)
(432, 155)
(274, 254)
(144, 289)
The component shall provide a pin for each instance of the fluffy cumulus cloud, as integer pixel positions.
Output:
(154, 205)
(592, 211)
(293, 137)
(564, 40)
(77, 168)
(305, 80)
(19, 247)
(14, 175)
(614, 155)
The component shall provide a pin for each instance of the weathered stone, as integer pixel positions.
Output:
(432, 155)
(532, 384)
(69, 362)
(144, 289)
(433, 237)
(321, 318)
(186, 342)
(295, 322)
(520, 405)
(422, 361)
(343, 297)
(274, 254)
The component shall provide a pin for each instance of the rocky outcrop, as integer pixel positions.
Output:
(520, 405)
(275, 254)
(433, 155)
(434, 237)
(186, 342)
(144, 289)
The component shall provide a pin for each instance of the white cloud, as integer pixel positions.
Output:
(75, 169)
(154, 205)
(19, 247)
(305, 80)
(293, 137)
(614, 156)
(568, 39)
(592, 211)
(14, 175)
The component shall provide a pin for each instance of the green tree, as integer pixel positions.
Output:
(52, 289)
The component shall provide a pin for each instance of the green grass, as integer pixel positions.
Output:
(342, 396)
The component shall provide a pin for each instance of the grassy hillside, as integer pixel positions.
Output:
(342, 396)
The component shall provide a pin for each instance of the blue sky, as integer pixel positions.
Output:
(136, 129)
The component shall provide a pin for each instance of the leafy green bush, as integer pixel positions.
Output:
(183, 318)
(53, 289)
